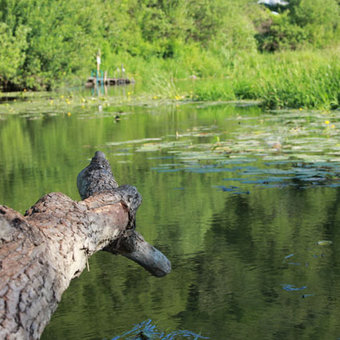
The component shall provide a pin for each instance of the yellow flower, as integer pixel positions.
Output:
(326, 122)
(68, 114)
(300, 109)
(333, 126)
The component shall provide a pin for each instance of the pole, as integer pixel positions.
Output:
(98, 66)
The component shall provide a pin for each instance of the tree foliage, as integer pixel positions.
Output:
(45, 41)
(305, 23)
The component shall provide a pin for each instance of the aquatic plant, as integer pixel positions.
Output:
(148, 331)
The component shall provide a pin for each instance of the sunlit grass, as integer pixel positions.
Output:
(308, 79)
(298, 79)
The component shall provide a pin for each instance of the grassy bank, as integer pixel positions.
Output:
(288, 79)
(295, 79)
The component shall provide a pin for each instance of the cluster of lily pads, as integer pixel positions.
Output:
(275, 150)
(84, 104)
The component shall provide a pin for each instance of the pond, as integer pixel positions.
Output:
(245, 204)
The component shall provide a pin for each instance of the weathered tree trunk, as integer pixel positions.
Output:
(41, 252)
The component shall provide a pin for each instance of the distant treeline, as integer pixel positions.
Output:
(44, 41)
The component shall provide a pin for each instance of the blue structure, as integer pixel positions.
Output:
(99, 76)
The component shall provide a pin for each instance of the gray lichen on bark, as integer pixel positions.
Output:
(96, 177)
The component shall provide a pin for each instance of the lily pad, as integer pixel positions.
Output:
(324, 243)
(134, 141)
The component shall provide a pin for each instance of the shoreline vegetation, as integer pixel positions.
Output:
(283, 57)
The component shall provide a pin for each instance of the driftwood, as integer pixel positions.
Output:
(41, 252)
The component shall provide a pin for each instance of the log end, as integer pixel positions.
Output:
(133, 246)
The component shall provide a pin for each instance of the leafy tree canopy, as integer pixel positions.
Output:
(47, 40)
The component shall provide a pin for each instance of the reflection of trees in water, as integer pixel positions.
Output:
(238, 287)
(233, 286)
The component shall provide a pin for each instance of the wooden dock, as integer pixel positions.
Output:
(93, 81)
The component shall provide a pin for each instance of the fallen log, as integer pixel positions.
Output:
(41, 252)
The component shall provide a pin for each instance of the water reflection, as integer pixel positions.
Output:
(241, 222)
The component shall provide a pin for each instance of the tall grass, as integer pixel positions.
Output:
(287, 79)
(308, 79)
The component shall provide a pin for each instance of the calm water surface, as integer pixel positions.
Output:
(244, 203)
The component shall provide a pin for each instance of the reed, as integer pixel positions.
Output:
(294, 79)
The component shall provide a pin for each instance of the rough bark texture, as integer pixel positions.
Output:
(96, 177)
(41, 252)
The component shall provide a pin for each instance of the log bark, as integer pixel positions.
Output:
(41, 252)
